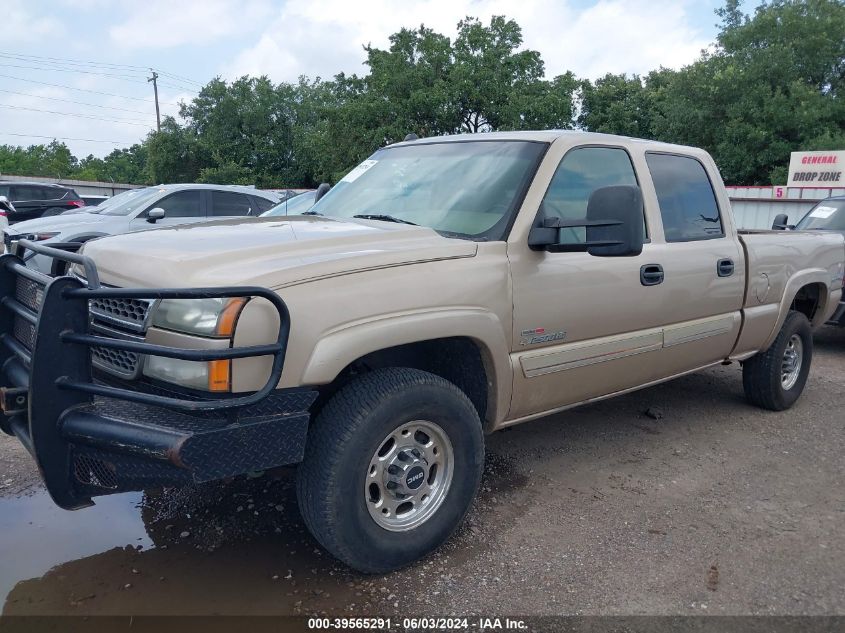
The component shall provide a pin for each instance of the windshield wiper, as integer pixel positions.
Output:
(310, 213)
(383, 218)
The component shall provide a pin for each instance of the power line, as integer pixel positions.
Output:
(96, 92)
(93, 105)
(79, 62)
(75, 114)
(74, 70)
(70, 61)
(68, 138)
(57, 61)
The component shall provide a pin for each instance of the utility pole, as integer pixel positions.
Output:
(155, 89)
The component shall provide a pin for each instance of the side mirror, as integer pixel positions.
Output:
(322, 190)
(154, 215)
(781, 222)
(614, 225)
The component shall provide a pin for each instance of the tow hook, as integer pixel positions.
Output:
(14, 400)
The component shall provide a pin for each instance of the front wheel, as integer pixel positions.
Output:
(775, 379)
(391, 467)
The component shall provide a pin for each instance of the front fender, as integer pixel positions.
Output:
(345, 344)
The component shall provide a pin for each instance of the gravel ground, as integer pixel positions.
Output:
(705, 505)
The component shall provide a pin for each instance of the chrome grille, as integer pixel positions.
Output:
(128, 313)
(116, 361)
(30, 293)
(24, 332)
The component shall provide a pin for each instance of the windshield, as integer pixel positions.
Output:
(128, 201)
(827, 214)
(463, 189)
(292, 206)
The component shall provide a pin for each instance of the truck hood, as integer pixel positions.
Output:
(269, 252)
(54, 223)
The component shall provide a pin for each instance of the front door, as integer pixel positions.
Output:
(584, 326)
(182, 207)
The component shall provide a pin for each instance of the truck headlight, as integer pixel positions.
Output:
(204, 317)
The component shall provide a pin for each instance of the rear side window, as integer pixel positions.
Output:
(26, 192)
(580, 173)
(227, 203)
(263, 204)
(4, 190)
(52, 193)
(686, 198)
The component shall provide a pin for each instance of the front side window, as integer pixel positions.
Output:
(129, 201)
(686, 198)
(580, 173)
(464, 189)
(185, 204)
(827, 215)
(228, 203)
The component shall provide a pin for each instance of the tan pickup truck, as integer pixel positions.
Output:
(444, 289)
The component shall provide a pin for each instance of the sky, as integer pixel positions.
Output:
(77, 70)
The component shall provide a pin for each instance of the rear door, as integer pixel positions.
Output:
(704, 271)
(181, 207)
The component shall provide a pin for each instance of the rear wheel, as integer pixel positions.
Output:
(775, 379)
(391, 467)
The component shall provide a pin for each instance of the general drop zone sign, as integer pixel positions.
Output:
(816, 169)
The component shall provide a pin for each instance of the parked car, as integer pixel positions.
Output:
(827, 215)
(138, 210)
(6, 209)
(440, 291)
(93, 201)
(37, 199)
(295, 205)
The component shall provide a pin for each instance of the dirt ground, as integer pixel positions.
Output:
(714, 507)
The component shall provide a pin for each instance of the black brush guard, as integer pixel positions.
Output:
(91, 436)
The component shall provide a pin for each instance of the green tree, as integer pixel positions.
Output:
(617, 104)
(174, 154)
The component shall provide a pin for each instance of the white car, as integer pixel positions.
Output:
(6, 208)
(138, 210)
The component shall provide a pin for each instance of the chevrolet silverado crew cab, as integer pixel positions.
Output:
(443, 289)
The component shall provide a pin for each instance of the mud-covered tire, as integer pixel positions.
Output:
(763, 375)
(343, 440)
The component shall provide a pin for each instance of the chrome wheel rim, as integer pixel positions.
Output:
(790, 367)
(409, 475)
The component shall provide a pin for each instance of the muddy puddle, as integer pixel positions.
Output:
(223, 548)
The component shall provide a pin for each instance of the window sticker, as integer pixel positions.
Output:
(356, 173)
(823, 212)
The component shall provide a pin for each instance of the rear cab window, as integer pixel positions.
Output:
(686, 198)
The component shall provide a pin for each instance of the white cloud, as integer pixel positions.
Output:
(167, 24)
(21, 27)
(323, 37)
